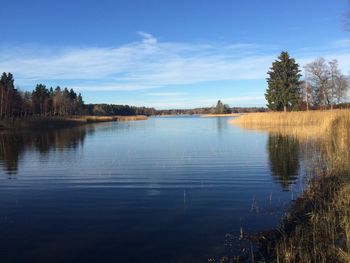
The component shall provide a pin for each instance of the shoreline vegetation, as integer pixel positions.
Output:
(62, 121)
(49, 107)
(305, 124)
(317, 228)
(62, 107)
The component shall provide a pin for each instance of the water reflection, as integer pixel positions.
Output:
(162, 190)
(283, 158)
(221, 123)
(13, 144)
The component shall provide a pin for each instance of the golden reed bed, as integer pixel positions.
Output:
(317, 229)
(301, 124)
(331, 130)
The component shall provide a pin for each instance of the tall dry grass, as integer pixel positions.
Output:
(301, 124)
(317, 229)
(330, 128)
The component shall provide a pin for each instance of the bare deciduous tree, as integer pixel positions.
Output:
(306, 93)
(338, 84)
(318, 77)
(327, 83)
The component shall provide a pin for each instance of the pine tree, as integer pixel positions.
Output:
(40, 99)
(283, 90)
(7, 90)
(80, 104)
(219, 109)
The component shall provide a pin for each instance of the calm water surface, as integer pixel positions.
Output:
(162, 190)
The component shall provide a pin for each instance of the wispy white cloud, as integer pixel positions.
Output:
(150, 63)
(144, 64)
(148, 39)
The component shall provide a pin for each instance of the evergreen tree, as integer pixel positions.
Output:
(80, 104)
(40, 99)
(57, 101)
(283, 90)
(26, 104)
(7, 92)
(220, 108)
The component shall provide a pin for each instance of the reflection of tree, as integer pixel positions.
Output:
(66, 138)
(11, 147)
(14, 144)
(220, 123)
(284, 159)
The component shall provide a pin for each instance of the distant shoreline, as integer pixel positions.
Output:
(202, 115)
(174, 115)
(221, 115)
(59, 122)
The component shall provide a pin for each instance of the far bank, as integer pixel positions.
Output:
(59, 122)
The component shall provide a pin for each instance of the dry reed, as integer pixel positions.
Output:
(317, 229)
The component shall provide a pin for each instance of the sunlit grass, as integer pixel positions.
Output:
(302, 124)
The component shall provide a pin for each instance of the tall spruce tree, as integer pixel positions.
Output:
(220, 108)
(283, 90)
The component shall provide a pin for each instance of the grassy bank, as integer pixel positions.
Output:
(317, 228)
(57, 122)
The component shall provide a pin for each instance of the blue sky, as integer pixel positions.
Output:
(166, 54)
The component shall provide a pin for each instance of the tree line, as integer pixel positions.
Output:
(324, 85)
(113, 109)
(44, 101)
(218, 109)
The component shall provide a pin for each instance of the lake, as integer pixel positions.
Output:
(168, 189)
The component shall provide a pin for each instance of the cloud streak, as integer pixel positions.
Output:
(148, 64)
(145, 64)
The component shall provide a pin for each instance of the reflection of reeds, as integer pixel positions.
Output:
(317, 229)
